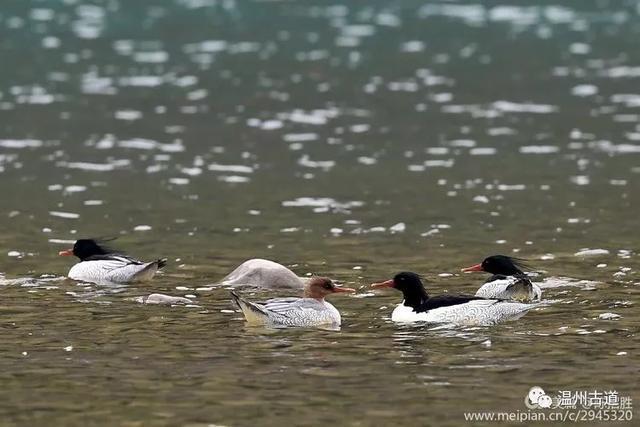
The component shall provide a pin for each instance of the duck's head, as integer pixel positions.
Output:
(498, 264)
(406, 282)
(320, 287)
(85, 248)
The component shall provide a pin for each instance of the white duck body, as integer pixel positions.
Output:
(300, 312)
(262, 273)
(114, 268)
(478, 312)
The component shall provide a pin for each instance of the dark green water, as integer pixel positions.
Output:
(211, 132)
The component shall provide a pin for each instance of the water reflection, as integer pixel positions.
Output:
(347, 140)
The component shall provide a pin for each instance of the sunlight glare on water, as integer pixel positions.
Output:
(352, 141)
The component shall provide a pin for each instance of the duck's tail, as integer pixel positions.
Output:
(252, 312)
(161, 262)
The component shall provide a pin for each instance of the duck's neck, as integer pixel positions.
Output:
(415, 298)
(311, 293)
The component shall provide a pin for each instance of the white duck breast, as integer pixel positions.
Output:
(300, 312)
(511, 287)
(114, 269)
(480, 312)
(262, 273)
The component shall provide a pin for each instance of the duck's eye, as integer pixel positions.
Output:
(328, 286)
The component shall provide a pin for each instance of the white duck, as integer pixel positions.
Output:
(309, 311)
(508, 280)
(262, 273)
(99, 264)
(418, 306)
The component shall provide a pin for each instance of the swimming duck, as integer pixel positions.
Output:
(99, 264)
(418, 306)
(311, 310)
(508, 280)
(262, 273)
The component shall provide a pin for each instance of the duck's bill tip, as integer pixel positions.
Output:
(340, 289)
(477, 267)
(386, 284)
(66, 252)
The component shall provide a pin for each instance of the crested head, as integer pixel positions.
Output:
(499, 264)
(320, 287)
(409, 283)
(502, 264)
(86, 248)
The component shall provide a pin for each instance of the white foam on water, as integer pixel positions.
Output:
(368, 161)
(216, 167)
(300, 137)
(156, 57)
(621, 71)
(95, 167)
(437, 151)
(195, 171)
(580, 180)
(141, 81)
(358, 30)
(128, 115)
(179, 181)
(93, 84)
(75, 188)
(62, 241)
(539, 149)
(464, 143)
(515, 107)
(20, 143)
(584, 90)
(142, 228)
(483, 151)
(631, 100)
(471, 14)
(209, 46)
(67, 215)
(511, 187)
(579, 48)
(305, 161)
(233, 179)
(138, 144)
(439, 163)
(322, 202)
(398, 228)
(499, 131)
(560, 281)
(584, 252)
(518, 15)
(271, 124)
(412, 46)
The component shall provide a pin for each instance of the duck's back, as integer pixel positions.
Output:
(301, 312)
(113, 268)
(516, 288)
(262, 273)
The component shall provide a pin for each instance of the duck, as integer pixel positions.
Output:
(309, 311)
(263, 273)
(100, 264)
(508, 281)
(464, 310)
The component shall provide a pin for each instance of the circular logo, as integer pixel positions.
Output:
(536, 399)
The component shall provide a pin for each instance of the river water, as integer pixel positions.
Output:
(352, 141)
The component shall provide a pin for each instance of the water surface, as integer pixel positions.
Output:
(351, 141)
